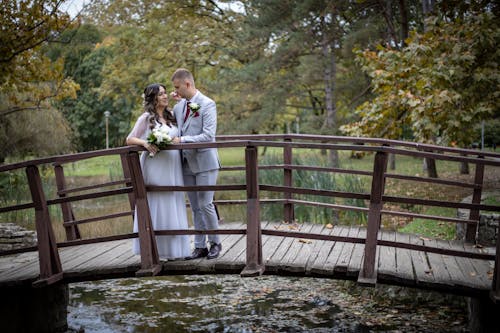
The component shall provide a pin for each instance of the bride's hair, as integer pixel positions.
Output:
(151, 100)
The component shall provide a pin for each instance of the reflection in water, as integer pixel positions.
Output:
(228, 303)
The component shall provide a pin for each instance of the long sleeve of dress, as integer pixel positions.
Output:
(140, 127)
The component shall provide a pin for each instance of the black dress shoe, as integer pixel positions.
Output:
(198, 253)
(214, 251)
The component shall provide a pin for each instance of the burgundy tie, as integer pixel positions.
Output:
(188, 111)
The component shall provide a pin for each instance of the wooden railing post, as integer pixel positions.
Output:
(48, 256)
(150, 261)
(72, 231)
(126, 175)
(254, 265)
(471, 229)
(368, 271)
(288, 208)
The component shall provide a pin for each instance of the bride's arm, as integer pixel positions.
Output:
(135, 137)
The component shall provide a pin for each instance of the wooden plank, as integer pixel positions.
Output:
(404, 267)
(387, 256)
(272, 264)
(421, 268)
(26, 269)
(357, 256)
(99, 266)
(484, 268)
(472, 278)
(91, 251)
(319, 253)
(334, 254)
(438, 266)
(269, 250)
(340, 268)
(228, 241)
(299, 249)
(456, 275)
(241, 258)
(226, 260)
(11, 263)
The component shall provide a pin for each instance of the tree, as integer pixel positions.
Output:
(149, 39)
(443, 83)
(29, 81)
(84, 55)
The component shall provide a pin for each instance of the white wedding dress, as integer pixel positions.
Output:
(168, 209)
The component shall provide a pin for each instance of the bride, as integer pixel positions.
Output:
(161, 167)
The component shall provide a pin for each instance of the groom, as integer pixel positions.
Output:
(196, 116)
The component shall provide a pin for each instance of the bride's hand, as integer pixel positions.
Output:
(176, 139)
(151, 148)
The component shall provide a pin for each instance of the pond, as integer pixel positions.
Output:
(229, 303)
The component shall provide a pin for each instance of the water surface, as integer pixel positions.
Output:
(229, 303)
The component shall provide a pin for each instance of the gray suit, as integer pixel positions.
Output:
(200, 166)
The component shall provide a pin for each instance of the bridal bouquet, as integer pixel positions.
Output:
(159, 137)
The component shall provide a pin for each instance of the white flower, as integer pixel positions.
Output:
(194, 106)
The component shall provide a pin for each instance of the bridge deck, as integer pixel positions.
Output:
(283, 256)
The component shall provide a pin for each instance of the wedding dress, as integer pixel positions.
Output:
(167, 209)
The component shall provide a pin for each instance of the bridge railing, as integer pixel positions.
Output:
(133, 185)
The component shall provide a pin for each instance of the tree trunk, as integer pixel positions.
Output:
(403, 14)
(429, 163)
(387, 12)
(427, 9)
(464, 168)
(430, 166)
(392, 161)
(329, 73)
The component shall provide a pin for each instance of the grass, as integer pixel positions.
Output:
(432, 228)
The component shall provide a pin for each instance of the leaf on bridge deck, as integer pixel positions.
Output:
(306, 241)
(329, 226)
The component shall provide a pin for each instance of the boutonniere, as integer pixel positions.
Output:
(195, 108)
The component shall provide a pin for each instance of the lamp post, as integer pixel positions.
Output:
(106, 115)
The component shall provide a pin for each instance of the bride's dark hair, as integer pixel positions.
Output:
(151, 100)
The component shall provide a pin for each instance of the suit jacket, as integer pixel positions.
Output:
(198, 128)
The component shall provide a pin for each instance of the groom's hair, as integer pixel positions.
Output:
(182, 74)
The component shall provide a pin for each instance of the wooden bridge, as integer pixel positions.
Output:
(368, 254)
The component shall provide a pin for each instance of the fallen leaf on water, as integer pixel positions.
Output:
(429, 271)
(472, 273)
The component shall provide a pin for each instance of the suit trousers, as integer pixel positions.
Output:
(204, 213)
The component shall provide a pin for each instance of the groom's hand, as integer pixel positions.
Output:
(175, 96)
